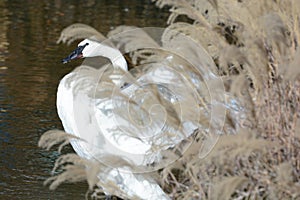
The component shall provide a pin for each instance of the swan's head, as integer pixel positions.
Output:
(85, 49)
(90, 48)
(77, 53)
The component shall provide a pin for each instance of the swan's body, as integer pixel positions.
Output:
(81, 114)
(81, 108)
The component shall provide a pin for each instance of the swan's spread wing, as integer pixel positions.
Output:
(86, 111)
(135, 123)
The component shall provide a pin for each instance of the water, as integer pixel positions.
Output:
(30, 71)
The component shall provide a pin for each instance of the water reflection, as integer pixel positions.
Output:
(30, 70)
(3, 38)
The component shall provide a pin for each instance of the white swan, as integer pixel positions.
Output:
(134, 121)
(84, 84)
(76, 99)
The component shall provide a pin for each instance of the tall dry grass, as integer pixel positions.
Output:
(255, 46)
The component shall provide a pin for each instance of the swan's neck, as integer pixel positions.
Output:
(114, 55)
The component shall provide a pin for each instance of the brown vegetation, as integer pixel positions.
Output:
(255, 45)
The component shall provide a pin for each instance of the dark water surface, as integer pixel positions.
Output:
(30, 71)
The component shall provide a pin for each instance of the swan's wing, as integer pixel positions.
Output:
(86, 110)
(162, 46)
(218, 100)
(137, 125)
(85, 107)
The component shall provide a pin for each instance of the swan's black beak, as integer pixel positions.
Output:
(77, 53)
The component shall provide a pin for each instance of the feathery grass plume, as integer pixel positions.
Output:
(285, 173)
(224, 188)
(71, 168)
(68, 159)
(131, 38)
(71, 174)
(53, 137)
(201, 35)
(243, 144)
(183, 7)
(79, 31)
(291, 70)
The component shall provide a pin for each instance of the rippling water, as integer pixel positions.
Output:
(30, 71)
